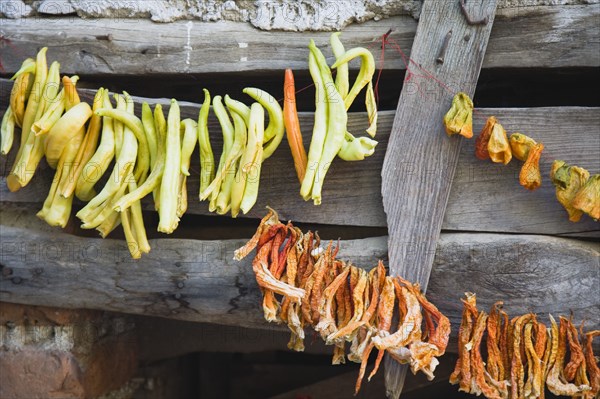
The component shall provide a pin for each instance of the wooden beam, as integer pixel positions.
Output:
(195, 280)
(523, 37)
(483, 195)
(447, 52)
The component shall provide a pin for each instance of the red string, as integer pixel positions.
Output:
(409, 72)
(381, 63)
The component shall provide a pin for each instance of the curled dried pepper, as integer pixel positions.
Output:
(495, 367)
(520, 145)
(568, 180)
(530, 176)
(459, 118)
(587, 198)
(576, 353)
(533, 386)
(481, 143)
(555, 383)
(326, 325)
(462, 372)
(591, 363)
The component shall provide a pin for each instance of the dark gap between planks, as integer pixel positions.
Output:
(532, 87)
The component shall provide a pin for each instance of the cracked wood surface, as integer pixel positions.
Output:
(195, 280)
(540, 36)
(484, 196)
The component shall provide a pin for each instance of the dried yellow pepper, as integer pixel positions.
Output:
(588, 198)
(459, 119)
(520, 145)
(568, 180)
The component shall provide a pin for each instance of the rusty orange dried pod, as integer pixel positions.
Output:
(530, 176)
(481, 144)
(459, 118)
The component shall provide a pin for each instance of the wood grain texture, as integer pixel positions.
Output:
(415, 203)
(484, 196)
(198, 281)
(541, 36)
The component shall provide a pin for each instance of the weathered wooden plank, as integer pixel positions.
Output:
(415, 203)
(483, 195)
(540, 36)
(198, 280)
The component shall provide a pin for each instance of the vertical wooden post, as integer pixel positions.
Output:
(420, 161)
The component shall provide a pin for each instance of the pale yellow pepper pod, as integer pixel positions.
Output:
(498, 146)
(64, 130)
(520, 145)
(459, 118)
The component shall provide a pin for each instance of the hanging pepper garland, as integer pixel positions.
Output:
(305, 285)
(523, 356)
(577, 192)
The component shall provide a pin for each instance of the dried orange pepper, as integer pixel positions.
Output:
(302, 285)
(591, 363)
(555, 383)
(462, 373)
(530, 176)
(495, 367)
(292, 125)
(477, 365)
(481, 143)
(576, 351)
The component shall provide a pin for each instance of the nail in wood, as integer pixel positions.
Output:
(471, 21)
(442, 54)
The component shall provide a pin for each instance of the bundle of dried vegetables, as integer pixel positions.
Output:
(523, 356)
(305, 285)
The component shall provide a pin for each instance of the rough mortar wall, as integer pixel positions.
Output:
(264, 14)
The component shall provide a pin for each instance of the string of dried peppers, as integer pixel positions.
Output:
(523, 356)
(575, 189)
(306, 285)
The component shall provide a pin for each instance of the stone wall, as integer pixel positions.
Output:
(264, 14)
(48, 352)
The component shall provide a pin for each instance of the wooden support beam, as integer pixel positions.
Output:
(446, 57)
(482, 197)
(523, 37)
(198, 281)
